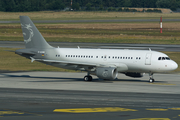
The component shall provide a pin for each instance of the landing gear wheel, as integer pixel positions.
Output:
(151, 80)
(88, 78)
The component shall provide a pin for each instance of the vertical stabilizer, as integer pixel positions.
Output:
(32, 37)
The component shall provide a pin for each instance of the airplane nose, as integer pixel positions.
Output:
(174, 65)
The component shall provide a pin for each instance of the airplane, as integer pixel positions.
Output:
(104, 63)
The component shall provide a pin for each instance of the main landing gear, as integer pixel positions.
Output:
(151, 79)
(88, 78)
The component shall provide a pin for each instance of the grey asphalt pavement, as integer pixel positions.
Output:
(62, 95)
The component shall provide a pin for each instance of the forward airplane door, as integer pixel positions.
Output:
(148, 59)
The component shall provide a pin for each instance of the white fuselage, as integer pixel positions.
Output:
(124, 60)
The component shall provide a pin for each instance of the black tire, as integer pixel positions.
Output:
(151, 80)
(90, 78)
(87, 78)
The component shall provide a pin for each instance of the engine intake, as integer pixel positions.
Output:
(107, 73)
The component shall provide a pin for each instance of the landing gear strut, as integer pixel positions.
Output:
(151, 79)
(87, 78)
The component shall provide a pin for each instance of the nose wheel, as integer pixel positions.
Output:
(151, 79)
(87, 78)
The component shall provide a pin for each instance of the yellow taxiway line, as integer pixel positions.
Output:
(89, 110)
(151, 119)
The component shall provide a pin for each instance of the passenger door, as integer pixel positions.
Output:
(148, 59)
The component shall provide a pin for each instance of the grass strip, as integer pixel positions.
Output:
(121, 39)
(12, 62)
(96, 15)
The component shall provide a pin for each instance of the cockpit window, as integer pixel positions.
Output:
(168, 58)
(164, 58)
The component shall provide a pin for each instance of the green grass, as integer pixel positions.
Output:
(50, 15)
(96, 35)
(12, 62)
(58, 31)
(10, 38)
(100, 40)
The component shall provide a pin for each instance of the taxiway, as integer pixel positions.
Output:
(62, 95)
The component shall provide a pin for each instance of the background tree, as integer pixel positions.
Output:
(101, 7)
(39, 5)
(9, 5)
(149, 3)
(137, 3)
(57, 5)
(88, 6)
(111, 9)
(2, 5)
(75, 6)
(23, 6)
(127, 3)
(163, 3)
(173, 5)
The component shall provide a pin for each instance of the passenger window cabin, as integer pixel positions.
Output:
(113, 57)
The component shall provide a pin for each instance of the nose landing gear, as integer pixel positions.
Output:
(151, 79)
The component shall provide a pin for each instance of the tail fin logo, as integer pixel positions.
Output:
(27, 32)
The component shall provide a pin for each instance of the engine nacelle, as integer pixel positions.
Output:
(107, 73)
(134, 74)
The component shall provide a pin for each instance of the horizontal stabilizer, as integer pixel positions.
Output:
(25, 51)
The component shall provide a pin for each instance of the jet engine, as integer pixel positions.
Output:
(134, 74)
(107, 73)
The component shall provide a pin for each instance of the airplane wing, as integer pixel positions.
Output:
(79, 65)
(69, 62)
